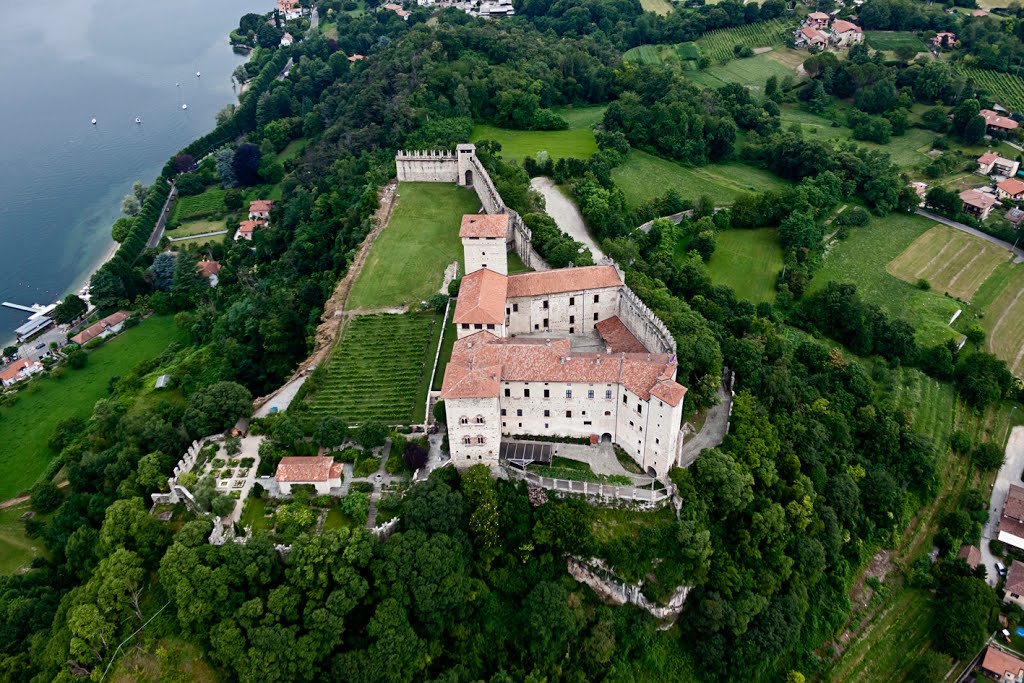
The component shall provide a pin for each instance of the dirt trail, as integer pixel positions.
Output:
(333, 318)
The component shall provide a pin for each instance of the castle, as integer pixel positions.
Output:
(569, 352)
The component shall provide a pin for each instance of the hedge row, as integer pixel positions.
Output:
(131, 248)
(243, 120)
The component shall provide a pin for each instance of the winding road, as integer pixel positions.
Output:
(566, 215)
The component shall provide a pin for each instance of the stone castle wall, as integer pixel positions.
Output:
(427, 166)
(643, 323)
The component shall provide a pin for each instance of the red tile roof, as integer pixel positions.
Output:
(247, 227)
(1002, 663)
(981, 200)
(481, 361)
(208, 268)
(842, 26)
(14, 368)
(1014, 506)
(356, 58)
(617, 336)
(813, 35)
(261, 205)
(481, 298)
(987, 158)
(294, 469)
(994, 119)
(96, 329)
(484, 225)
(818, 16)
(562, 280)
(970, 554)
(1011, 186)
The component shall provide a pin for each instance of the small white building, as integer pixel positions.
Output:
(320, 472)
(19, 370)
(287, 39)
(991, 163)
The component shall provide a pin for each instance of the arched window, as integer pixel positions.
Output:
(479, 419)
(467, 440)
(480, 439)
(463, 420)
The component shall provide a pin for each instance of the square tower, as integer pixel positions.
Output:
(484, 239)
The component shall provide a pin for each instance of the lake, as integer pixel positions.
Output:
(62, 179)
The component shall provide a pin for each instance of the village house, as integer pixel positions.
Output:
(811, 37)
(246, 229)
(287, 39)
(110, 325)
(547, 353)
(1011, 189)
(1014, 586)
(944, 40)
(397, 9)
(1001, 666)
(994, 123)
(209, 270)
(1015, 216)
(19, 370)
(977, 204)
(1011, 523)
(356, 58)
(493, 9)
(846, 34)
(817, 20)
(991, 163)
(979, 13)
(260, 209)
(290, 9)
(970, 554)
(320, 472)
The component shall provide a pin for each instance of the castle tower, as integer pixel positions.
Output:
(465, 154)
(484, 238)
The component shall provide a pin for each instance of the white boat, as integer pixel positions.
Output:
(184, 106)
(94, 122)
(138, 120)
(198, 74)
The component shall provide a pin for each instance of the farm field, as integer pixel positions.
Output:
(643, 177)
(29, 422)
(582, 117)
(683, 55)
(657, 6)
(200, 241)
(718, 45)
(751, 72)
(862, 258)
(380, 369)
(953, 262)
(1004, 322)
(407, 261)
(1006, 88)
(197, 228)
(893, 40)
(519, 144)
(748, 261)
(199, 205)
(16, 548)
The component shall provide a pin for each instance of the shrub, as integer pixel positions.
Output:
(960, 441)
(356, 505)
(987, 456)
(366, 466)
(923, 284)
(46, 497)
(347, 455)
(415, 455)
(361, 486)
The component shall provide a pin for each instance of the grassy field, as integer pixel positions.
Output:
(28, 424)
(748, 261)
(294, 149)
(657, 6)
(16, 549)
(751, 72)
(893, 40)
(407, 261)
(1004, 320)
(197, 206)
(380, 370)
(718, 45)
(643, 177)
(199, 241)
(197, 228)
(862, 260)
(519, 144)
(516, 265)
(954, 262)
(582, 117)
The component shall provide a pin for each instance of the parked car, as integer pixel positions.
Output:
(41, 345)
(1000, 569)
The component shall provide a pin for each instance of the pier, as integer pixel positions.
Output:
(19, 307)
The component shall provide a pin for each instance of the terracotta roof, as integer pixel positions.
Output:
(842, 26)
(1014, 506)
(970, 554)
(481, 361)
(818, 16)
(261, 205)
(96, 329)
(246, 227)
(562, 280)
(294, 469)
(994, 119)
(356, 58)
(1002, 664)
(484, 225)
(14, 368)
(617, 336)
(813, 34)
(987, 158)
(208, 268)
(481, 298)
(979, 13)
(1015, 578)
(1011, 186)
(982, 200)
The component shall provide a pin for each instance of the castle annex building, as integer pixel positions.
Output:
(558, 352)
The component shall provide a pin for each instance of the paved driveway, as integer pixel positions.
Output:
(1009, 473)
(566, 215)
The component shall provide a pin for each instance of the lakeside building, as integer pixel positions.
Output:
(106, 327)
(19, 370)
(554, 353)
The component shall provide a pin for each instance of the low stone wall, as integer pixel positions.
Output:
(604, 495)
(595, 573)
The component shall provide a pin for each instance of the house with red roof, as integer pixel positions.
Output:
(846, 34)
(991, 163)
(247, 228)
(259, 209)
(1011, 189)
(19, 370)
(944, 40)
(999, 665)
(978, 204)
(808, 36)
(320, 472)
(817, 20)
(996, 123)
(209, 270)
(106, 327)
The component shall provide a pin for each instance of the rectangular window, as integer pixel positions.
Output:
(590, 393)
(572, 319)
(515, 308)
(568, 413)
(526, 393)
(607, 413)
(504, 412)
(587, 422)
(572, 330)
(478, 326)
(545, 305)
(547, 393)
(545, 323)
(639, 409)
(547, 413)
(508, 392)
(490, 326)
(568, 393)
(572, 301)
(625, 399)
(607, 393)
(595, 317)
(536, 327)
(597, 298)
(508, 310)
(519, 412)
(465, 326)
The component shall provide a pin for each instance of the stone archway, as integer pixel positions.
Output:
(606, 438)
(652, 472)
(469, 178)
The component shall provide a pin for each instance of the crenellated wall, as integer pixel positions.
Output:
(643, 323)
(427, 166)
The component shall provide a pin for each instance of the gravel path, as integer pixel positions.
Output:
(565, 213)
(712, 433)
(1009, 473)
(282, 398)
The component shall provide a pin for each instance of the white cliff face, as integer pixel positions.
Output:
(617, 593)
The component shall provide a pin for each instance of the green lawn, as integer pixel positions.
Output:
(643, 177)
(28, 424)
(380, 369)
(893, 40)
(196, 206)
(197, 228)
(751, 72)
(862, 259)
(656, 6)
(294, 149)
(407, 261)
(748, 261)
(516, 265)
(16, 549)
(254, 515)
(519, 144)
(582, 117)
(199, 241)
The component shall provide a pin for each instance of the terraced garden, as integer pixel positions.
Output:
(953, 262)
(197, 206)
(380, 370)
(718, 45)
(1007, 88)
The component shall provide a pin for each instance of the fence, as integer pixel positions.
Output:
(605, 492)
